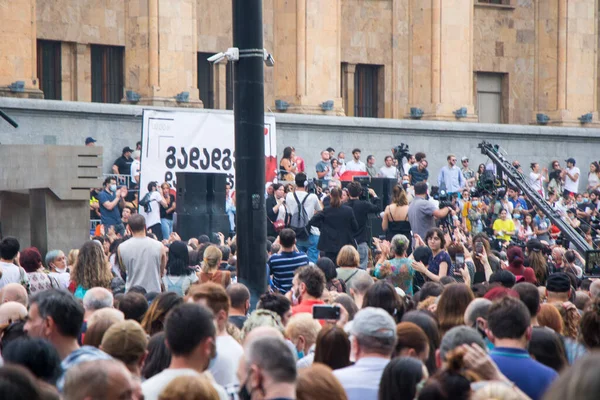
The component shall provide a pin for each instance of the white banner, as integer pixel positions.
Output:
(174, 141)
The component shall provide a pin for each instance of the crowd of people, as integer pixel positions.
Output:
(473, 296)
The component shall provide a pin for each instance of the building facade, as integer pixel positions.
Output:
(497, 61)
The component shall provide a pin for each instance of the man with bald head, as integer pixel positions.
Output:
(15, 292)
(109, 377)
(12, 311)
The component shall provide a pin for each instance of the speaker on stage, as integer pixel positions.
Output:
(200, 204)
(384, 187)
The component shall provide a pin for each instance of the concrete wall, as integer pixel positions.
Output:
(116, 126)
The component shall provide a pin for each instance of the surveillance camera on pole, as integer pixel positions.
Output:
(232, 54)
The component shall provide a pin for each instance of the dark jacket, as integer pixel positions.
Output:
(271, 216)
(338, 227)
(362, 209)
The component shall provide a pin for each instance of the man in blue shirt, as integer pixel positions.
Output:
(282, 266)
(509, 328)
(451, 178)
(519, 204)
(418, 172)
(109, 200)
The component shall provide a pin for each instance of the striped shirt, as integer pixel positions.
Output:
(282, 267)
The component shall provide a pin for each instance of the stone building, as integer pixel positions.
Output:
(499, 61)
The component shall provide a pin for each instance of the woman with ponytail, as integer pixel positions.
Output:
(515, 265)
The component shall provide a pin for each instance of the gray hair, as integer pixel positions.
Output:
(595, 289)
(458, 336)
(478, 308)
(136, 154)
(97, 298)
(361, 283)
(89, 378)
(399, 244)
(274, 357)
(51, 256)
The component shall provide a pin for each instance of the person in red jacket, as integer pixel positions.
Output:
(515, 265)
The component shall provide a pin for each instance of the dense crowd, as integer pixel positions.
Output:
(474, 296)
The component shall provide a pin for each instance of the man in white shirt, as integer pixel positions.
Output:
(9, 250)
(537, 178)
(135, 168)
(151, 211)
(571, 177)
(355, 164)
(389, 170)
(312, 204)
(229, 352)
(372, 341)
(411, 161)
(143, 258)
(190, 335)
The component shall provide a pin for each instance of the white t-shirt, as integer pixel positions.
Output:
(570, 185)
(62, 278)
(535, 180)
(135, 170)
(388, 172)
(153, 217)
(356, 166)
(229, 353)
(153, 387)
(311, 205)
(10, 274)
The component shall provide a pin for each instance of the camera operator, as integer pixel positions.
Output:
(362, 209)
(422, 213)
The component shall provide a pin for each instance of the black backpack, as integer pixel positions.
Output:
(299, 220)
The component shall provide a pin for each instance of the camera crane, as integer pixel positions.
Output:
(518, 180)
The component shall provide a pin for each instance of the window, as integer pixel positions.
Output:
(229, 84)
(501, 2)
(49, 68)
(366, 90)
(206, 84)
(489, 98)
(107, 74)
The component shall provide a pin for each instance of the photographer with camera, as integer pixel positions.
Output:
(302, 205)
(422, 213)
(362, 209)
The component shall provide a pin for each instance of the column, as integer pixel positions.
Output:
(18, 48)
(307, 55)
(348, 88)
(82, 74)
(440, 58)
(566, 69)
(220, 85)
(161, 51)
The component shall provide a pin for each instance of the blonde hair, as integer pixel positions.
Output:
(348, 257)
(303, 324)
(72, 257)
(212, 258)
(189, 388)
(111, 314)
(496, 390)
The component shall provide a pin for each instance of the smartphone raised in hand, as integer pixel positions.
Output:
(460, 260)
(478, 247)
(326, 312)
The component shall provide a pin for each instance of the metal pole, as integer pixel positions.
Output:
(248, 95)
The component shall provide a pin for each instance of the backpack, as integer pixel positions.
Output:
(175, 287)
(145, 202)
(299, 219)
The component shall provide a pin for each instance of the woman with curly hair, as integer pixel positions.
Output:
(92, 269)
(398, 271)
(590, 326)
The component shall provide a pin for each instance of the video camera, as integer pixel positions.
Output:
(401, 152)
(311, 186)
(443, 199)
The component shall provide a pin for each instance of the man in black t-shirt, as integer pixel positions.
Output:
(122, 165)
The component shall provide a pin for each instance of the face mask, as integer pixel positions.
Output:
(586, 200)
(579, 202)
(475, 203)
(405, 182)
(295, 298)
(300, 354)
(517, 216)
(244, 393)
(60, 270)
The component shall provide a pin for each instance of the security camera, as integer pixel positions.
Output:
(232, 54)
(268, 58)
(217, 58)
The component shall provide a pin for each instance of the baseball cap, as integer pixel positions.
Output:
(89, 140)
(127, 149)
(558, 282)
(373, 322)
(464, 158)
(570, 160)
(125, 340)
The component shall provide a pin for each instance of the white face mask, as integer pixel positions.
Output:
(295, 299)
(60, 270)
